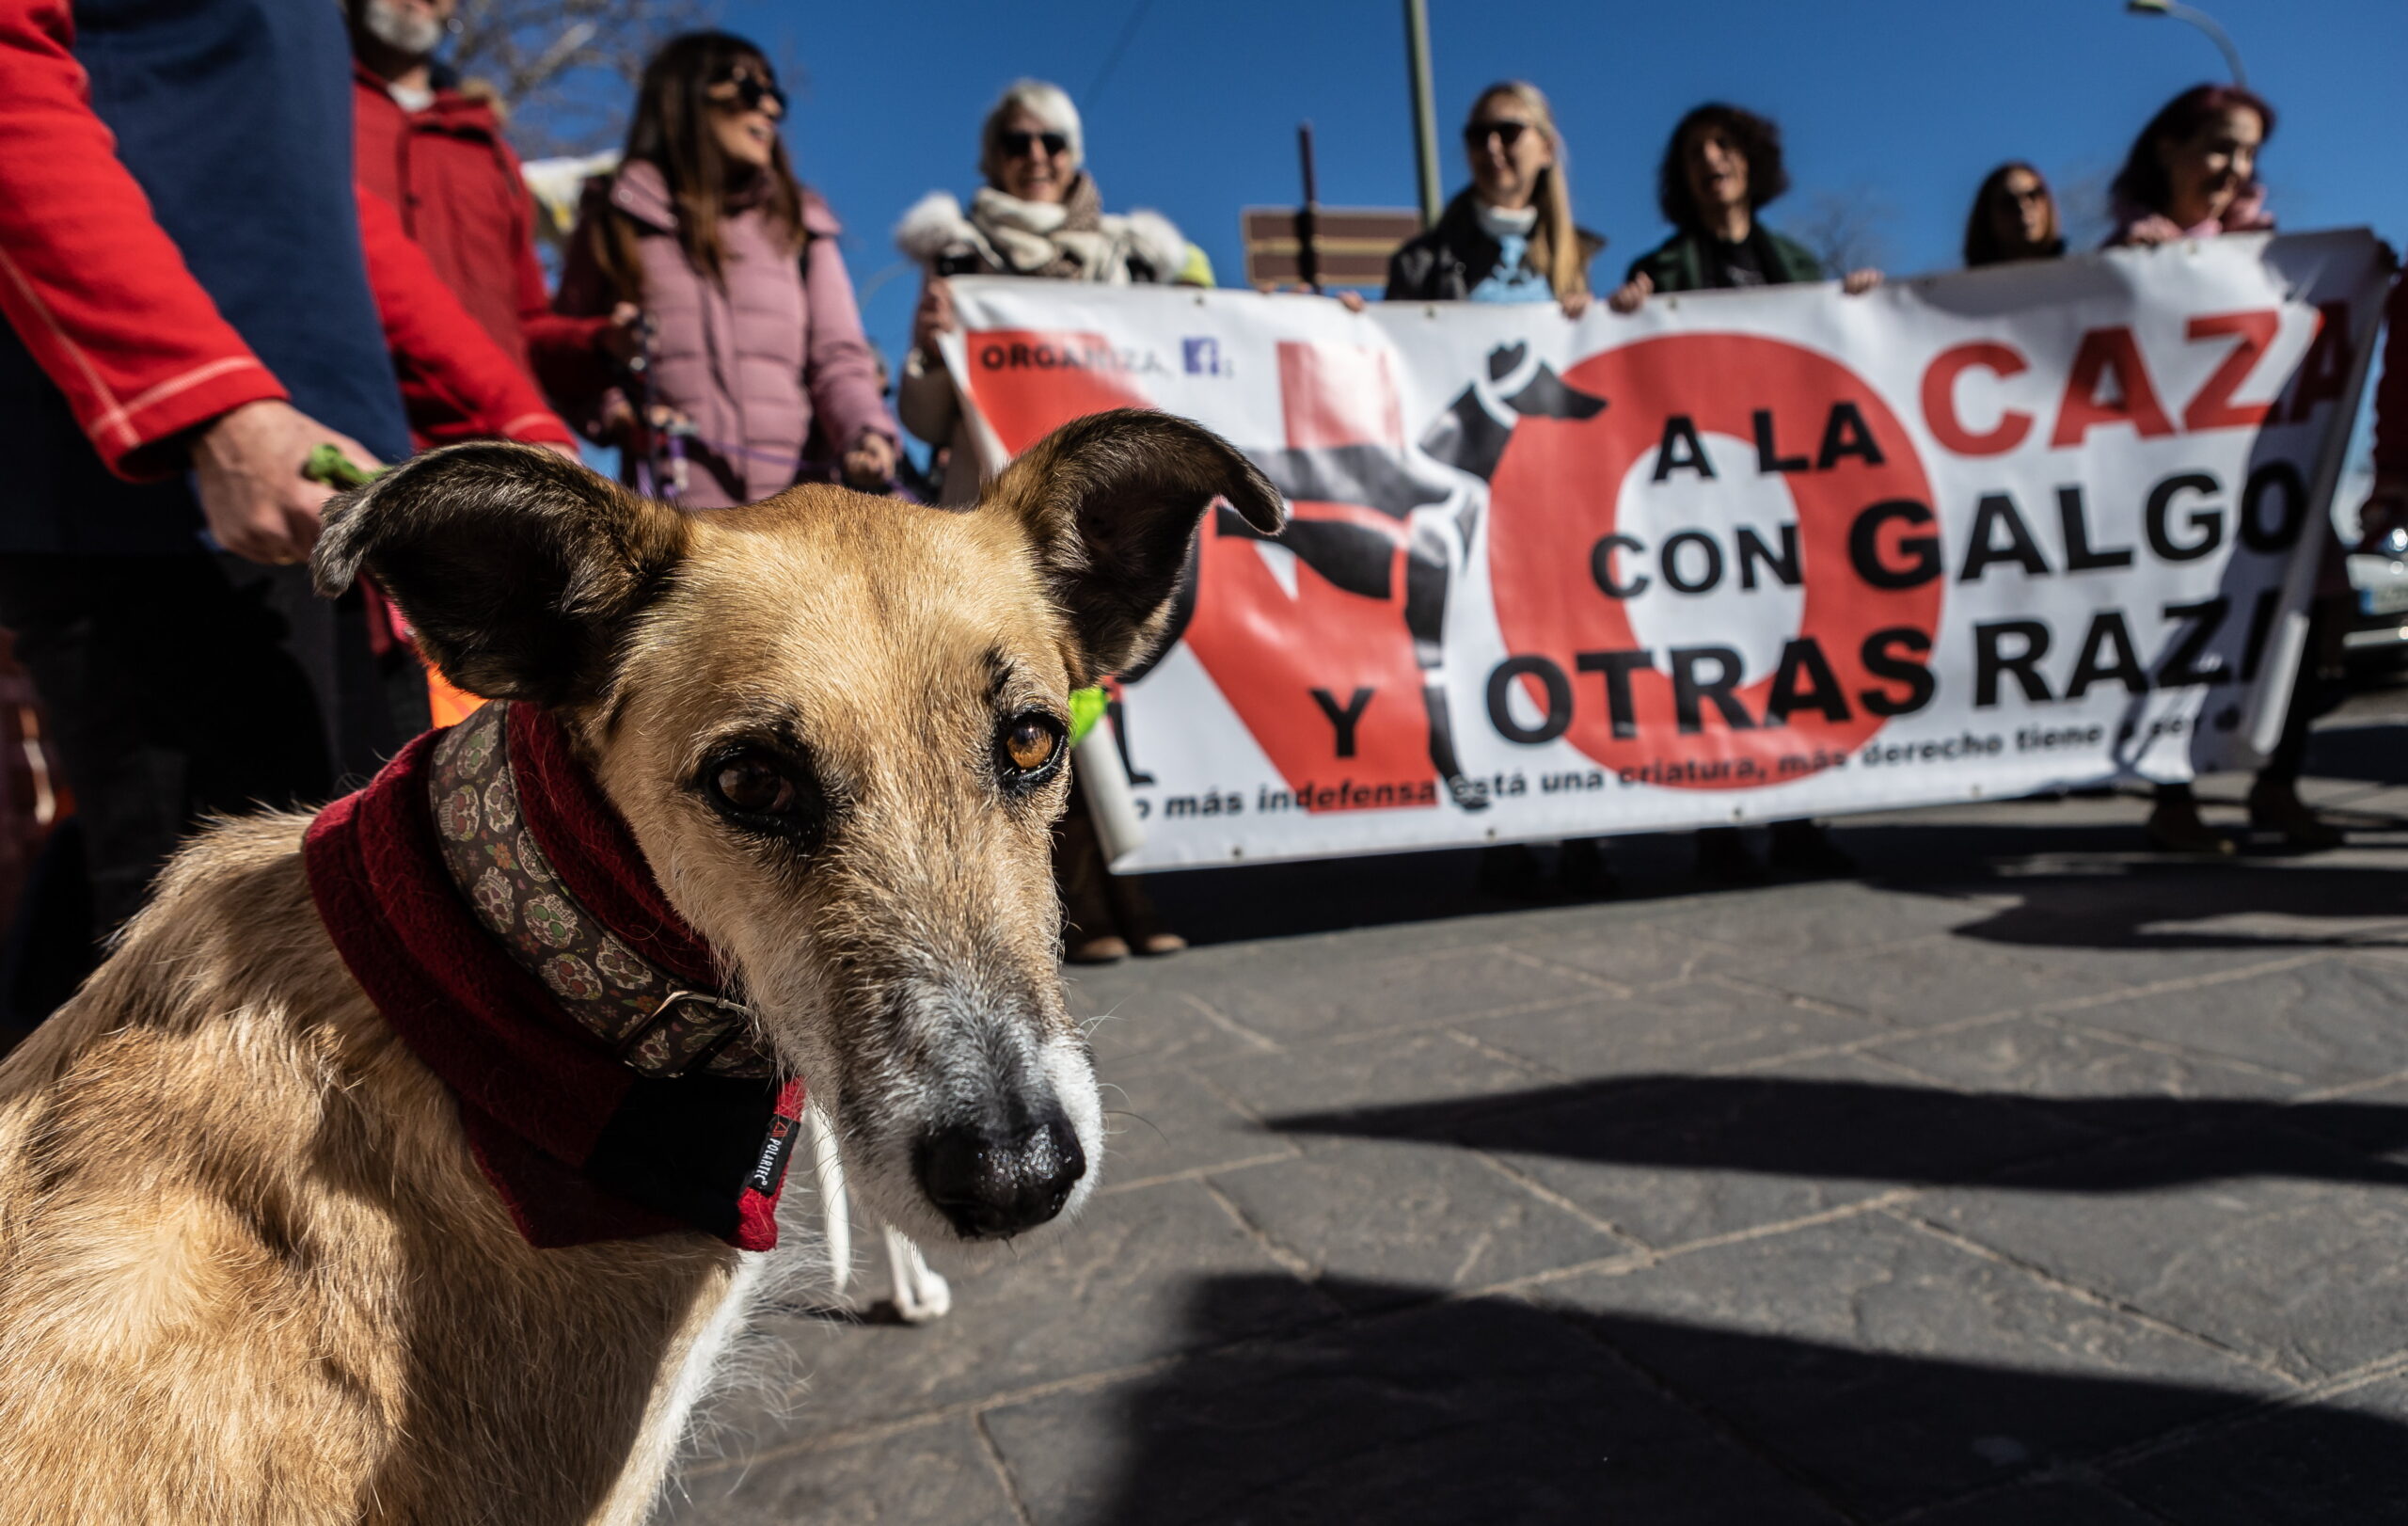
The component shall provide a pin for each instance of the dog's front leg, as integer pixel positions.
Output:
(920, 1293)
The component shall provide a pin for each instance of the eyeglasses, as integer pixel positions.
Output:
(1477, 133)
(1016, 145)
(744, 91)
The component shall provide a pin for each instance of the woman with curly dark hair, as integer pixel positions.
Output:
(1722, 166)
(2014, 217)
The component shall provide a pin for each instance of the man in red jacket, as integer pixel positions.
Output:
(438, 156)
(194, 295)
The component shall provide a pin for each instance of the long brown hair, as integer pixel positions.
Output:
(1983, 245)
(671, 131)
(1555, 242)
(2142, 184)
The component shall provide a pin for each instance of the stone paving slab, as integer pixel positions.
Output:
(2274, 1242)
(2041, 1505)
(1692, 1158)
(1441, 1219)
(2056, 1057)
(2344, 1458)
(939, 1474)
(1894, 1369)
(1100, 1294)
(2029, 1178)
(1696, 1025)
(1483, 1410)
(1938, 978)
(2333, 1020)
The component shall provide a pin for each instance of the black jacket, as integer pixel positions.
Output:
(1455, 255)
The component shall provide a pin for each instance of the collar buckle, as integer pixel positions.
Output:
(667, 1045)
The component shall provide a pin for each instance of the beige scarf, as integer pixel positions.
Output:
(1066, 240)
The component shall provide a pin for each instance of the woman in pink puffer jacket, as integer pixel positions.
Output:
(754, 334)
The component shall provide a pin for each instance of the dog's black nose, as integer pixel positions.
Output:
(993, 1183)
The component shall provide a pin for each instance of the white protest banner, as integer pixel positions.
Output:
(1740, 556)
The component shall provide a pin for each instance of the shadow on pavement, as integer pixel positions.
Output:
(1914, 1135)
(1495, 1410)
(2368, 753)
(1270, 900)
(2147, 905)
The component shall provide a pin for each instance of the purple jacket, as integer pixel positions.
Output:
(751, 361)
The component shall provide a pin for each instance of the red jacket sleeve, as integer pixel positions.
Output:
(93, 286)
(586, 390)
(566, 351)
(556, 342)
(450, 368)
(2391, 395)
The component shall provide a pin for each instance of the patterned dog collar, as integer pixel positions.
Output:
(659, 1025)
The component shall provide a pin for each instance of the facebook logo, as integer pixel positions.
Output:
(1202, 355)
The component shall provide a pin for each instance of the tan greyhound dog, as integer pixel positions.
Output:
(307, 1214)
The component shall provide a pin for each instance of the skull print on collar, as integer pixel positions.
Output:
(494, 907)
(662, 1021)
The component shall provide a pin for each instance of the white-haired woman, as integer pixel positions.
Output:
(1038, 214)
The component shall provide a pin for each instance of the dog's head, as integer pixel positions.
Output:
(838, 726)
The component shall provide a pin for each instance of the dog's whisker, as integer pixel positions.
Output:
(1123, 1112)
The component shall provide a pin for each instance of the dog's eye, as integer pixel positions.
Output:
(754, 787)
(762, 791)
(1029, 745)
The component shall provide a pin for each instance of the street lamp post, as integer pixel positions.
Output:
(2199, 19)
(1425, 117)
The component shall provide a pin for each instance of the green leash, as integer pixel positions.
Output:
(328, 464)
(1086, 708)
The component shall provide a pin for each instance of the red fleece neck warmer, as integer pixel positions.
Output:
(494, 907)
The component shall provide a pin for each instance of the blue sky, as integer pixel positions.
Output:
(1909, 104)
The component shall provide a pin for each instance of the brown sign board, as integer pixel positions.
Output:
(1351, 245)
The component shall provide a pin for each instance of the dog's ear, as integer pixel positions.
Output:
(518, 568)
(1111, 502)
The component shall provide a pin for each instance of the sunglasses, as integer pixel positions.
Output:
(1017, 145)
(1477, 133)
(747, 91)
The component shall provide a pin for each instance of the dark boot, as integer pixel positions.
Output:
(1723, 859)
(1133, 911)
(2174, 824)
(1805, 848)
(1581, 870)
(1510, 871)
(1090, 933)
(2275, 806)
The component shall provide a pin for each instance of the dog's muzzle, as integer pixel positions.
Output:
(991, 1182)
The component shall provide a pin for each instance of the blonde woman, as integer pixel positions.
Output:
(1509, 235)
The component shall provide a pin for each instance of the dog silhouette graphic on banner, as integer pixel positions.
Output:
(1283, 634)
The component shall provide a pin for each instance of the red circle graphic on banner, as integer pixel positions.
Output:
(1707, 410)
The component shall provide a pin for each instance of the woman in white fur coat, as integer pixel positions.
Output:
(1038, 214)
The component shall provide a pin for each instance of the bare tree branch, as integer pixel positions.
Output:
(563, 70)
(1845, 229)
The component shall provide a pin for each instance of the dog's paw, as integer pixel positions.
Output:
(920, 1293)
(931, 1298)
